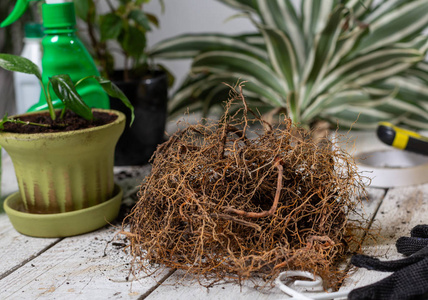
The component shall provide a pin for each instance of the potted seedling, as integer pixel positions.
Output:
(121, 30)
(63, 159)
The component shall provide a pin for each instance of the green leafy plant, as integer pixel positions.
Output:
(126, 23)
(339, 61)
(63, 87)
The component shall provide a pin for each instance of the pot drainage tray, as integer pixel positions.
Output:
(62, 224)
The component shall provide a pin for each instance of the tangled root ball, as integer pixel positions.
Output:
(240, 197)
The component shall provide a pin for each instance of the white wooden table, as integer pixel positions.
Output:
(95, 266)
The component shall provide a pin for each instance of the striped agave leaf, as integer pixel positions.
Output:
(188, 46)
(241, 65)
(395, 26)
(245, 5)
(368, 65)
(336, 60)
(381, 9)
(322, 52)
(286, 23)
(281, 53)
(342, 98)
(195, 89)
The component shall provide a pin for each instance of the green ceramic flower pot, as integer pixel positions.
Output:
(65, 171)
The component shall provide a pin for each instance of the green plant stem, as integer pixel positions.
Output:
(110, 6)
(97, 46)
(49, 102)
(62, 113)
(46, 93)
(18, 121)
(80, 80)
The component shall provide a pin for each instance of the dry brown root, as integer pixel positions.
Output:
(224, 204)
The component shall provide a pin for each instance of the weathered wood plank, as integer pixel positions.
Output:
(90, 266)
(17, 249)
(175, 287)
(368, 209)
(402, 209)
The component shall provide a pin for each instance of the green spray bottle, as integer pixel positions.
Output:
(63, 52)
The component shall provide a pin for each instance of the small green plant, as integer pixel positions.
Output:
(126, 23)
(63, 87)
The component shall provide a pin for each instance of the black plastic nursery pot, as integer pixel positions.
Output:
(149, 96)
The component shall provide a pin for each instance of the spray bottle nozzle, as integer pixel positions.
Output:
(20, 8)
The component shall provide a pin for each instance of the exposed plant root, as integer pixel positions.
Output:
(225, 201)
(265, 213)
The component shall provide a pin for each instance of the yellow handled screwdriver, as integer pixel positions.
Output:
(402, 138)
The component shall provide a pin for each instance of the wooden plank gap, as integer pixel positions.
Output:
(373, 216)
(347, 266)
(153, 288)
(26, 261)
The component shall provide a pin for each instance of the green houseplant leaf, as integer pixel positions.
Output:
(64, 88)
(140, 18)
(19, 64)
(110, 26)
(112, 90)
(84, 8)
(132, 40)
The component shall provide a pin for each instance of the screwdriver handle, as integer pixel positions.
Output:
(402, 138)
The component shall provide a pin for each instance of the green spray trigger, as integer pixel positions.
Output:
(19, 9)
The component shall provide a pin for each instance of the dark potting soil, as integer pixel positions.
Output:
(69, 122)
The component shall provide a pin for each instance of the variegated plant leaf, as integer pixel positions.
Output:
(315, 15)
(368, 65)
(381, 9)
(359, 117)
(241, 65)
(358, 7)
(282, 55)
(211, 90)
(188, 46)
(398, 24)
(281, 16)
(321, 54)
(246, 5)
(331, 100)
(193, 90)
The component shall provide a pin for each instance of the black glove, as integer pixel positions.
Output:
(410, 278)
